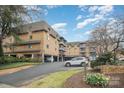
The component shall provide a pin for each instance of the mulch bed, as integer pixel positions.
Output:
(76, 81)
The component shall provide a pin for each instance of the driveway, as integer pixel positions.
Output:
(18, 78)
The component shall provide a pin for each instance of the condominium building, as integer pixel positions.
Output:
(37, 40)
(85, 49)
(72, 50)
(40, 40)
(62, 49)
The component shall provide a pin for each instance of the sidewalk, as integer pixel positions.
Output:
(13, 70)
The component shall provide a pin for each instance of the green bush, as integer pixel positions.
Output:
(95, 63)
(10, 59)
(104, 59)
(97, 80)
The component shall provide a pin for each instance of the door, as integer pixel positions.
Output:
(76, 61)
(80, 60)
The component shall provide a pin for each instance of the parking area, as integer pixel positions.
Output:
(17, 78)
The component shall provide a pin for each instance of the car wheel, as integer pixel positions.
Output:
(68, 65)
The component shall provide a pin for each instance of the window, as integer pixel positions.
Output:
(30, 37)
(82, 49)
(79, 58)
(49, 29)
(82, 45)
(73, 59)
(47, 46)
(47, 36)
(29, 46)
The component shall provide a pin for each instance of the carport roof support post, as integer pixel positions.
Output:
(52, 59)
(43, 57)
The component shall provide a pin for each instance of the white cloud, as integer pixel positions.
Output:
(88, 21)
(82, 7)
(88, 32)
(105, 9)
(78, 17)
(52, 6)
(93, 8)
(45, 11)
(33, 7)
(37, 9)
(102, 12)
(60, 27)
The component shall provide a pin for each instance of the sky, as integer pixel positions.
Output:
(75, 23)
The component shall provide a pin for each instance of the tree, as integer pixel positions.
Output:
(109, 36)
(12, 17)
(122, 51)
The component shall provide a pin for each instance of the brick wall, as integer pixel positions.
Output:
(112, 69)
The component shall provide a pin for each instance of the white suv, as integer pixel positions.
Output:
(76, 61)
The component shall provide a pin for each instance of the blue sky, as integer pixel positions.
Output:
(75, 23)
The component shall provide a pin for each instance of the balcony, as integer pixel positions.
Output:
(23, 51)
(92, 50)
(82, 46)
(23, 48)
(82, 49)
(62, 43)
(22, 43)
(28, 42)
(61, 49)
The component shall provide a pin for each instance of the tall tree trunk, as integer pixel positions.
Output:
(1, 48)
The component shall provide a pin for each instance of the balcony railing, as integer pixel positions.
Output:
(21, 51)
(27, 42)
(23, 43)
(62, 43)
(92, 50)
(62, 49)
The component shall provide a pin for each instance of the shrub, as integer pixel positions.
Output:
(106, 58)
(94, 63)
(97, 80)
(10, 59)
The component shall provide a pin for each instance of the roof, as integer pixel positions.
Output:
(77, 43)
(73, 43)
(39, 26)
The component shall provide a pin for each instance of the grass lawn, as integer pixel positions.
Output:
(53, 80)
(18, 64)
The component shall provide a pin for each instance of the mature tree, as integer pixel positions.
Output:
(12, 17)
(109, 36)
(122, 51)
